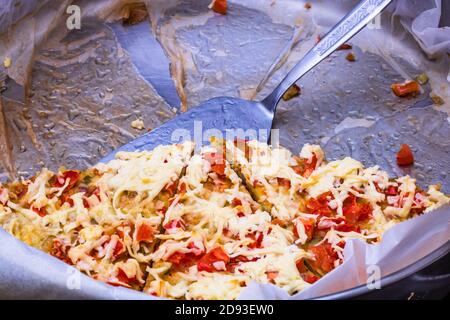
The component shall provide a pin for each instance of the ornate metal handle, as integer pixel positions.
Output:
(351, 24)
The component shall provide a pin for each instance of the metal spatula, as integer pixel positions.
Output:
(237, 118)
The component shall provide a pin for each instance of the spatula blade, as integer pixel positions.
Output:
(221, 117)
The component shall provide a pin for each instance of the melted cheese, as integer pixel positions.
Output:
(98, 231)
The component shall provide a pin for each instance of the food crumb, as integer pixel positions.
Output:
(408, 88)
(437, 100)
(137, 124)
(422, 78)
(7, 62)
(292, 92)
(344, 46)
(350, 57)
(219, 6)
(405, 156)
(308, 5)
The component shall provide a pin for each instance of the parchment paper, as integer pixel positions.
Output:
(347, 108)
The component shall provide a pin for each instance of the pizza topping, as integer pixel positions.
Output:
(217, 162)
(188, 226)
(145, 232)
(214, 260)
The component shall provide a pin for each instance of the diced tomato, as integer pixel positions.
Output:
(306, 274)
(240, 214)
(320, 205)
(61, 179)
(301, 266)
(405, 156)
(122, 277)
(257, 237)
(236, 202)
(176, 257)
(324, 257)
(181, 259)
(175, 224)
(66, 198)
(182, 188)
(237, 260)
(217, 162)
(118, 250)
(409, 88)
(304, 167)
(215, 255)
(310, 277)
(271, 275)
(345, 227)
(145, 233)
(344, 46)
(355, 212)
(391, 191)
(171, 188)
(40, 211)
(282, 182)
(219, 6)
(309, 225)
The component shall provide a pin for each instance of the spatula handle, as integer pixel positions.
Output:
(352, 23)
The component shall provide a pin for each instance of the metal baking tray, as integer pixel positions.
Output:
(86, 86)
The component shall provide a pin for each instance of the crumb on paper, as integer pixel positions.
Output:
(219, 6)
(408, 88)
(422, 78)
(7, 62)
(137, 124)
(350, 57)
(293, 91)
(405, 156)
(308, 5)
(345, 46)
(437, 100)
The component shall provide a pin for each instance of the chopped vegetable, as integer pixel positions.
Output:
(293, 91)
(145, 233)
(408, 88)
(405, 156)
(324, 257)
(345, 46)
(217, 162)
(214, 260)
(219, 6)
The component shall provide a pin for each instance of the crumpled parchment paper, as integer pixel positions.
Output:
(350, 114)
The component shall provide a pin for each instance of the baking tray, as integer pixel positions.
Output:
(346, 107)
